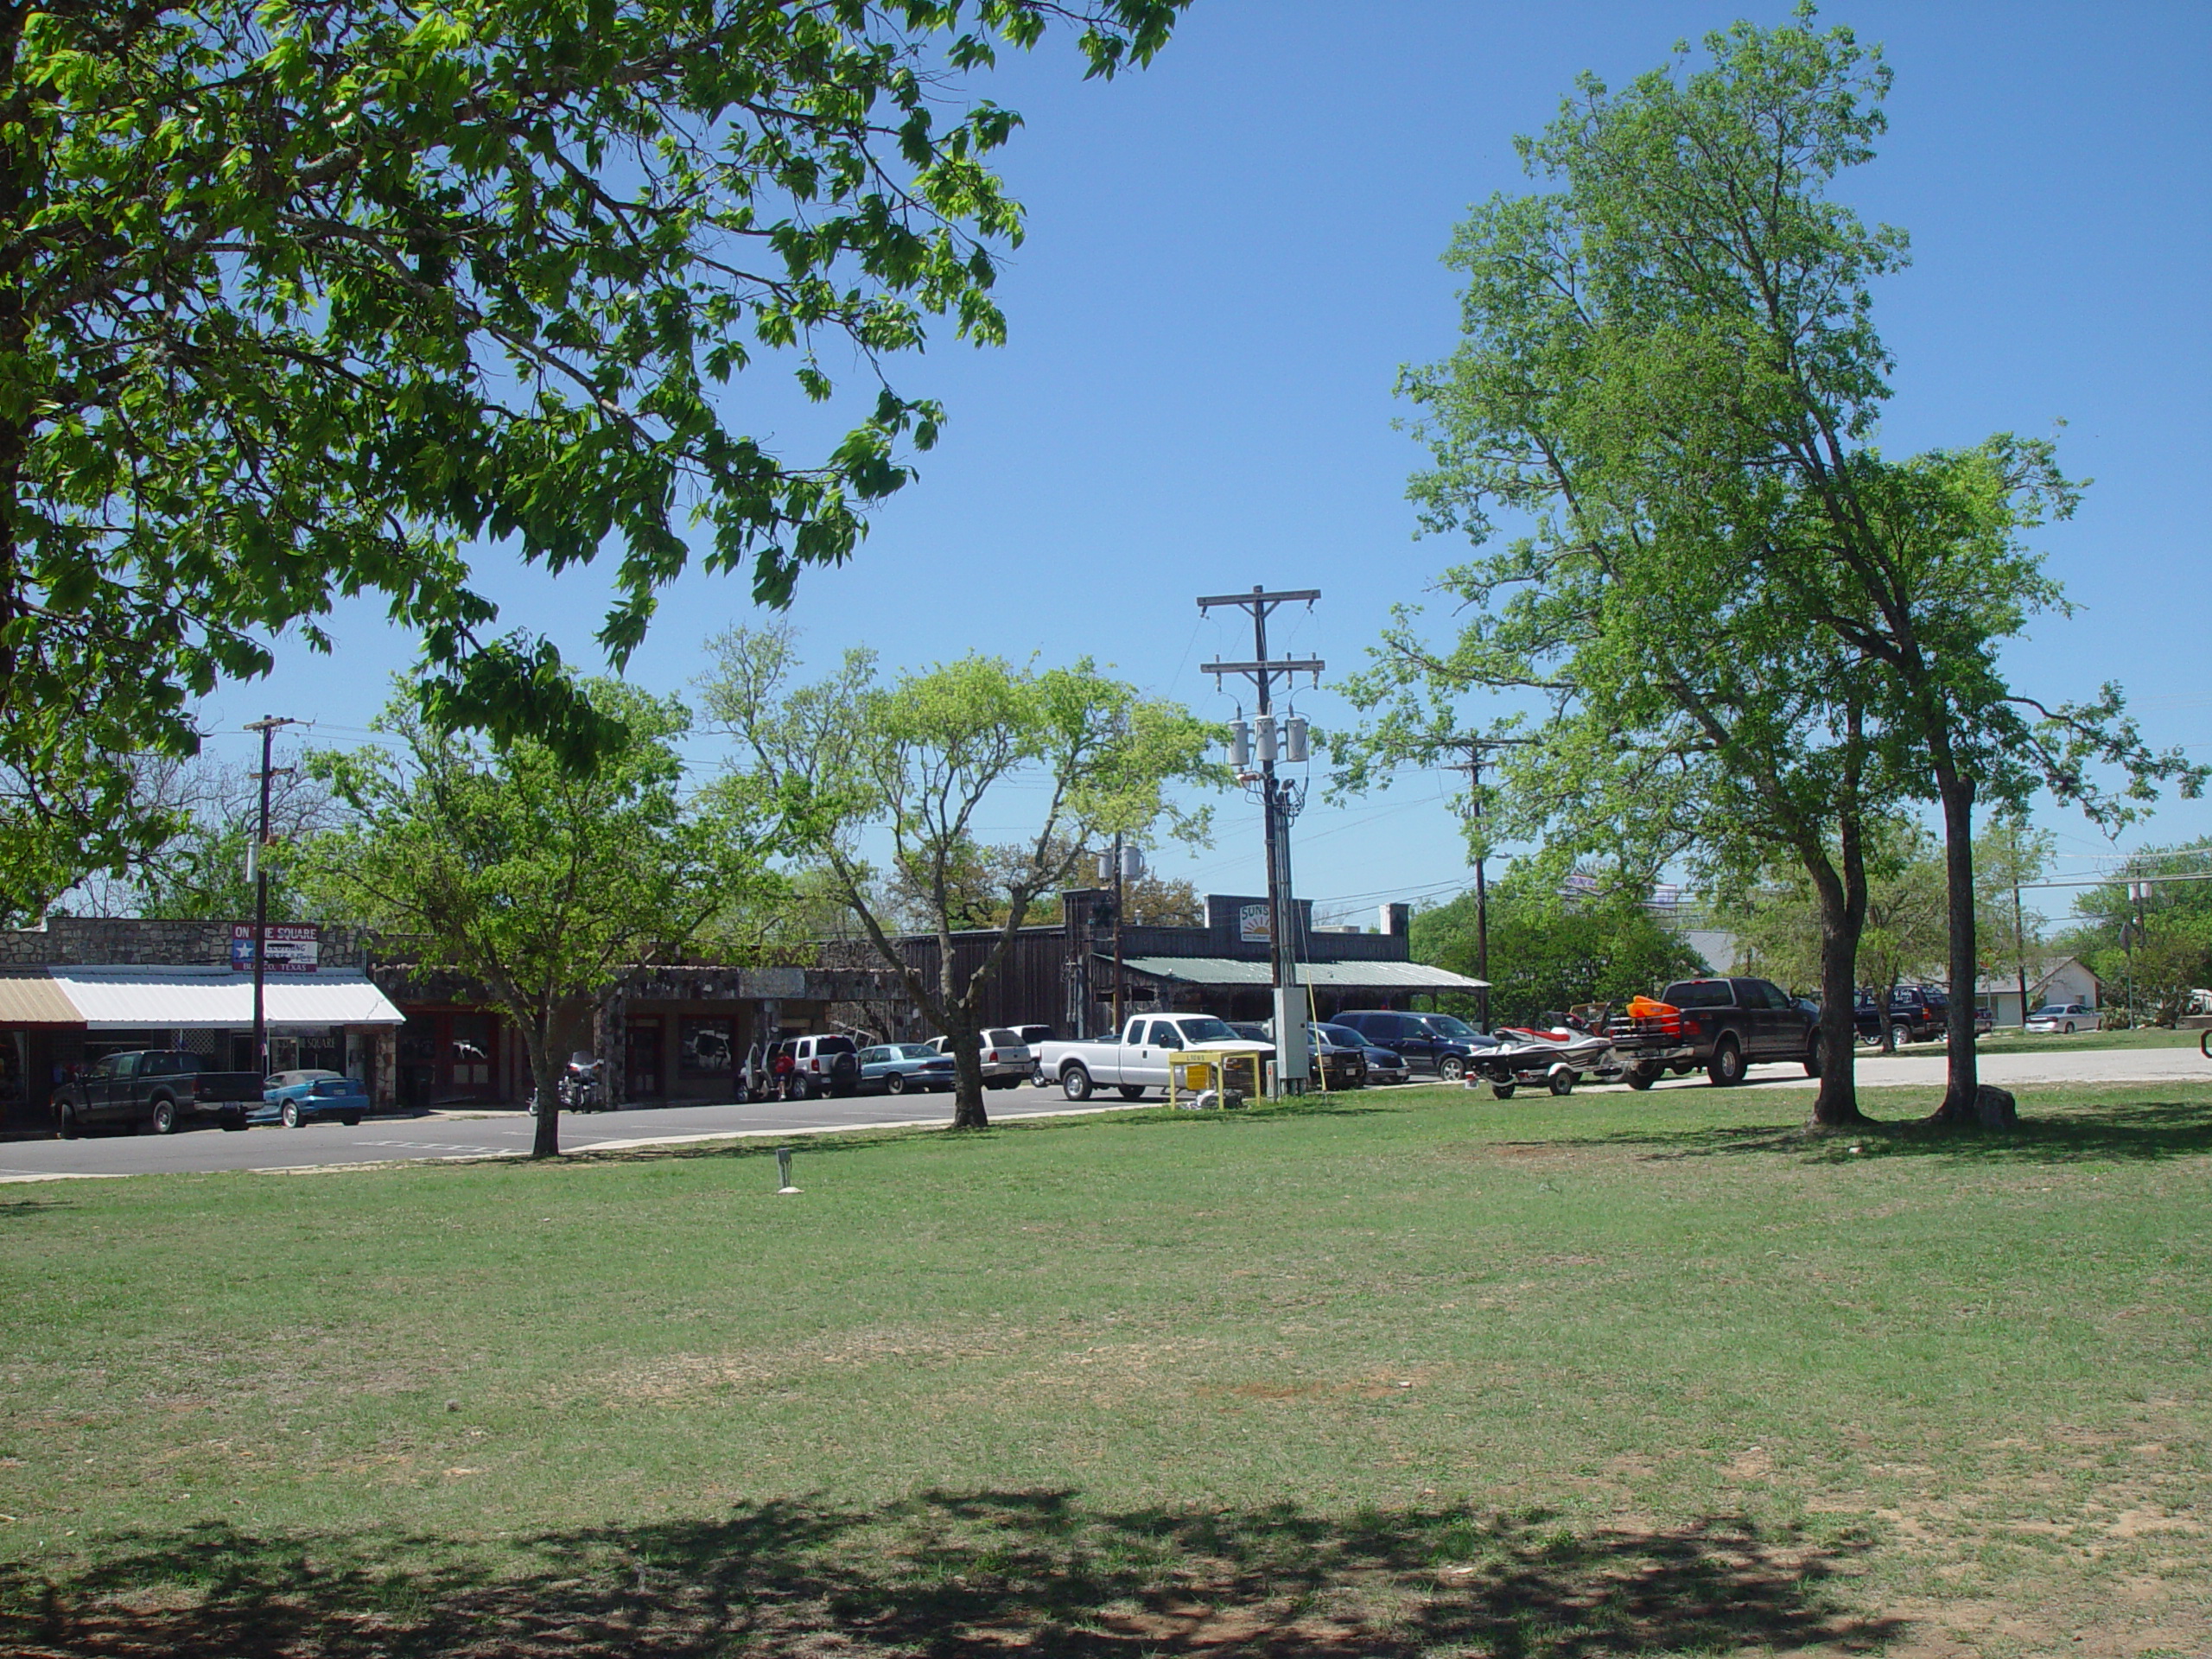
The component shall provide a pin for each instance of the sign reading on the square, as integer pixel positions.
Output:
(294, 947)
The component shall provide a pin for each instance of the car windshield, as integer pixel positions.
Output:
(1204, 1029)
(1342, 1036)
(1445, 1025)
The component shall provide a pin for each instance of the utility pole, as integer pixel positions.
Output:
(2020, 953)
(1280, 804)
(1473, 768)
(1118, 901)
(267, 726)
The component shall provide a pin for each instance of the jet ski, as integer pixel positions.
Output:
(1557, 1056)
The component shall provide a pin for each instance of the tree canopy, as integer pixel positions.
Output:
(300, 301)
(539, 879)
(1551, 952)
(853, 761)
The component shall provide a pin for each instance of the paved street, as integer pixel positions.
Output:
(483, 1135)
(478, 1134)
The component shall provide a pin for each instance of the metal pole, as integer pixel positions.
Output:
(2020, 953)
(1482, 889)
(267, 725)
(1117, 933)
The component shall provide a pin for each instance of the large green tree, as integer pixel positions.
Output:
(1670, 367)
(307, 299)
(908, 765)
(540, 879)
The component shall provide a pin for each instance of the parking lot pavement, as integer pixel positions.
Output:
(486, 1134)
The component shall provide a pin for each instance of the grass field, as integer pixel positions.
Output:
(2011, 1041)
(1414, 1372)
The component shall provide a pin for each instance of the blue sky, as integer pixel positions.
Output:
(1230, 254)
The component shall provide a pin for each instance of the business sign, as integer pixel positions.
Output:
(1255, 924)
(294, 947)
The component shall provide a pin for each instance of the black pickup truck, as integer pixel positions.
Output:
(1722, 1025)
(1918, 1013)
(149, 1091)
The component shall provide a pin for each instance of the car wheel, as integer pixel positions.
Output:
(1726, 1069)
(1132, 1091)
(1038, 1076)
(1813, 1059)
(2069, 1027)
(896, 1082)
(291, 1114)
(161, 1117)
(1641, 1078)
(351, 1119)
(1900, 1035)
(66, 1124)
(1684, 1068)
(234, 1123)
(1450, 1068)
(1075, 1083)
(1503, 1090)
(1562, 1082)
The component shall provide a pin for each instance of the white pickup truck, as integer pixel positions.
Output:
(1137, 1059)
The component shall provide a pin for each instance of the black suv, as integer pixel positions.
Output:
(1435, 1042)
(1721, 1024)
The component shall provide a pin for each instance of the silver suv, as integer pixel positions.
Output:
(1007, 1059)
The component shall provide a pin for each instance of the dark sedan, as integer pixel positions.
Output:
(894, 1068)
(297, 1099)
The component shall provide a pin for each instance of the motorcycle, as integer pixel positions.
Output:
(582, 1087)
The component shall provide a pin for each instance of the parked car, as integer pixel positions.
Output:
(1916, 1013)
(152, 1091)
(1723, 1025)
(1985, 1021)
(2064, 1018)
(1006, 1058)
(1435, 1042)
(297, 1099)
(1383, 1065)
(894, 1068)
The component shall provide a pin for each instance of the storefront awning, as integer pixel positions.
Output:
(216, 999)
(1389, 976)
(34, 999)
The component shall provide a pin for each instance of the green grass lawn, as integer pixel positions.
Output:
(2012, 1041)
(1412, 1372)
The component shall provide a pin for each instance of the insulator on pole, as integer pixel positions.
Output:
(1263, 738)
(1293, 740)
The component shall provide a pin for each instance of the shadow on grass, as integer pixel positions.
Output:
(959, 1573)
(2138, 1132)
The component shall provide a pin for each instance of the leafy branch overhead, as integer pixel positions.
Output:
(300, 300)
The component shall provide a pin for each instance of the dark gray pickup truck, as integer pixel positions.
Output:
(1722, 1025)
(149, 1091)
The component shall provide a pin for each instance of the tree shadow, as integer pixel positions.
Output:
(2136, 1132)
(956, 1574)
(17, 1209)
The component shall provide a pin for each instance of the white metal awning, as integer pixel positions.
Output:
(1323, 975)
(216, 999)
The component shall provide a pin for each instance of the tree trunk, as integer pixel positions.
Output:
(1843, 918)
(966, 1042)
(1959, 1109)
(545, 1076)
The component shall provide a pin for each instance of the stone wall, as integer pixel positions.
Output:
(118, 941)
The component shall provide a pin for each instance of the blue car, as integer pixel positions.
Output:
(298, 1098)
(894, 1068)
